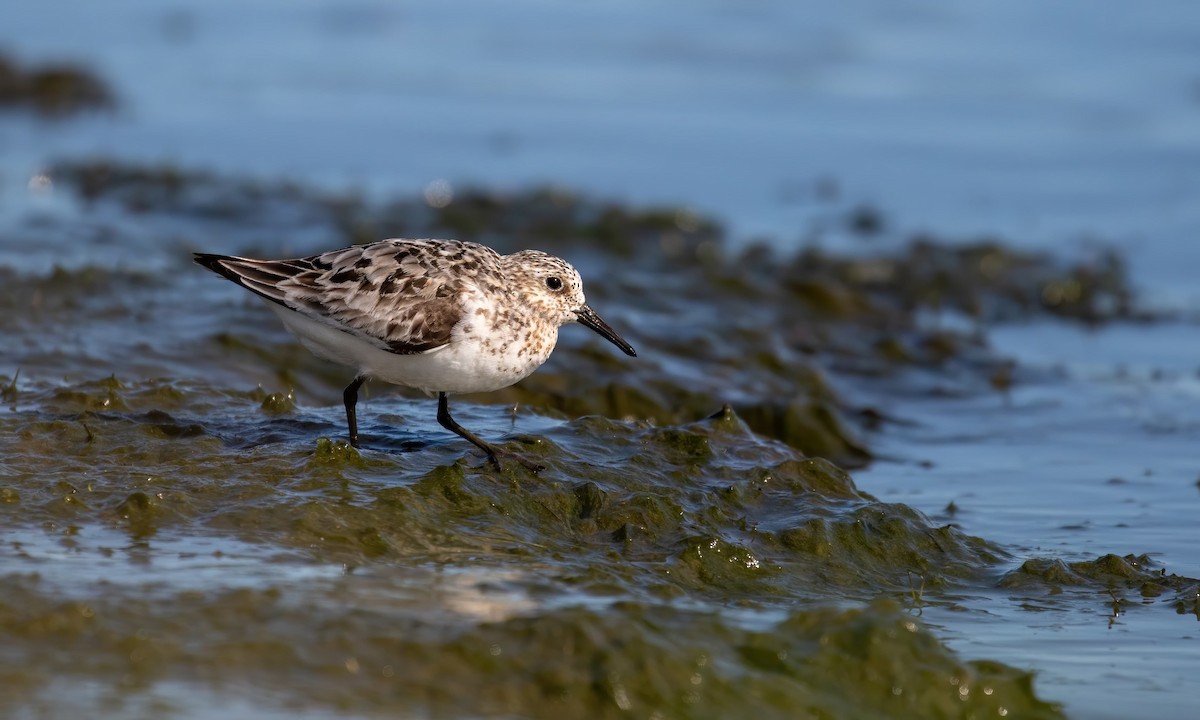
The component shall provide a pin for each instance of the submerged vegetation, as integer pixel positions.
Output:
(182, 508)
(52, 90)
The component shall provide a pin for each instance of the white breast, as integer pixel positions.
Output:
(478, 358)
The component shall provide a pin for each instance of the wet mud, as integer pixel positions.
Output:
(182, 509)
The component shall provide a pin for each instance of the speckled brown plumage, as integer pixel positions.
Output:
(399, 295)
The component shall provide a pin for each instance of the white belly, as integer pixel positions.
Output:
(462, 366)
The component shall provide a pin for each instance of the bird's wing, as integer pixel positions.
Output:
(403, 296)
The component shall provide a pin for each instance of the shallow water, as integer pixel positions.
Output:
(200, 482)
(1084, 460)
(1051, 127)
(184, 532)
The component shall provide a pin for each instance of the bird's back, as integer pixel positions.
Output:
(401, 296)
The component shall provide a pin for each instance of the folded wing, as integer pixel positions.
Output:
(395, 294)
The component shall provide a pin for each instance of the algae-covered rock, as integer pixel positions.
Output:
(358, 655)
(709, 510)
(1117, 577)
(695, 546)
(815, 428)
(759, 330)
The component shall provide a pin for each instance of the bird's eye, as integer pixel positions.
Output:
(553, 283)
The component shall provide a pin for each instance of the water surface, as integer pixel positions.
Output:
(1023, 487)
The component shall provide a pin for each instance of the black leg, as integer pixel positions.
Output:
(492, 451)
(350, 397)
(449, 423)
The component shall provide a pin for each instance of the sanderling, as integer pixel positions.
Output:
(442, 316)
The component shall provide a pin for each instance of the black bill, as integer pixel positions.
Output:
(590, 319)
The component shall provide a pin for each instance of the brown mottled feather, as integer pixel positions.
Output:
(401, 301)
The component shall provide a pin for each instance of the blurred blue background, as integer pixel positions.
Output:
(1046, 124)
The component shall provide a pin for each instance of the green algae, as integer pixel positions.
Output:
(984, 278)
(813, 427)
(775, 310)
(695, 546)
(627, 658)
(1117, 577)
(52, 90)
(710, 483)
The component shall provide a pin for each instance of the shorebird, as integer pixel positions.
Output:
(441, 316)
